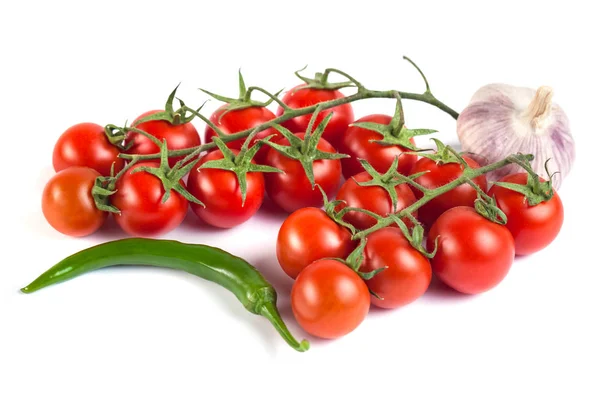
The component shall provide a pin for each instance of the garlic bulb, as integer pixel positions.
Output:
(502, 120)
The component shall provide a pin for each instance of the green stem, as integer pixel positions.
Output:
(293, 113)
(269, 311)
(342, 73)
(428, 194)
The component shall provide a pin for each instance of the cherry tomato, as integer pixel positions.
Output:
(372, 198)
(474, 254)
(139, 198)
(292, 190)
(532, 227)
(300, 97)
(178, 137)
(86, 145)
(359, 143)
(408, 272)
(240, 120)
(439, 175)
(307, 235)
(68, 205)
(219, 190)
(329, 300)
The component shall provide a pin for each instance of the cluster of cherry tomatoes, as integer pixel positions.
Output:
(464, 249)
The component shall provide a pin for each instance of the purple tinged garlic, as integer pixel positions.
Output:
(502, 120)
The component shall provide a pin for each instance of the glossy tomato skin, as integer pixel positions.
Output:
(308, 235)
(219, 190)
(300, 97)
(240, 120)
(374, 199)
(292, 190)
(86, 145)
(408, 272)
(177, 136)
(139, 198)
(439, 175)
(474, 254)
(68, 205)
(357, 143)
(532, 227)
(329, 300)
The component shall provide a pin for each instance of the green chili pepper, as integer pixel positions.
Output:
(213, 264)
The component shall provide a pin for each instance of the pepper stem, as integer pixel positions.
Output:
(269, 311)
(540, 106)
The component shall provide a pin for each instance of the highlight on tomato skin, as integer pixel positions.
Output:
(438, 175)
(473, 254)
(308, 235)
(372, 198)
(291, 190)
(233, 121)
(68, 204)
(360, 143)
(329, 299)
(178, 137)
(407, 273)
(532, 227)
(86, 145)
(142, 213)
(300, 97)
(219, 191)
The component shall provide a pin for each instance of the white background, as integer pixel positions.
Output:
(134, 333)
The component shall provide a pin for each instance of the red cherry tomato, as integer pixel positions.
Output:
(374, 199)
(219, 190)
(300, 97)
(307, 235)
(86, 145)
(68, 205)
(532, 227)
(329, 300)
(439, 175)
(292, 190)
(139, 198)
(359, 143)
(240, 120)
(178, 137)
(408, 272)
(474, 254)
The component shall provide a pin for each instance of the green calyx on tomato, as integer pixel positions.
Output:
(415, 235)
(170, 114)
(330, 207)
(487, 207)
(240, 164)
(395, 133)
(387, 181)
(104, 186)
(355, 259)
(445, 155)
(305, 150)
(321, 80)
(116, 136)
(244, 99)
(535, 190)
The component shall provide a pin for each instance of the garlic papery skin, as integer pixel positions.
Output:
(502, 120)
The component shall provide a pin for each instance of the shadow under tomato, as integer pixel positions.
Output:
(269, 267)
(111, 230)
(271, 211)
(193, 222)
(438, 291)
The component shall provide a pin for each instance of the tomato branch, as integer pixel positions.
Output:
(429, 194)
(293, 113)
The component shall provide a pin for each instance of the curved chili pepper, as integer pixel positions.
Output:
(213, 264)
